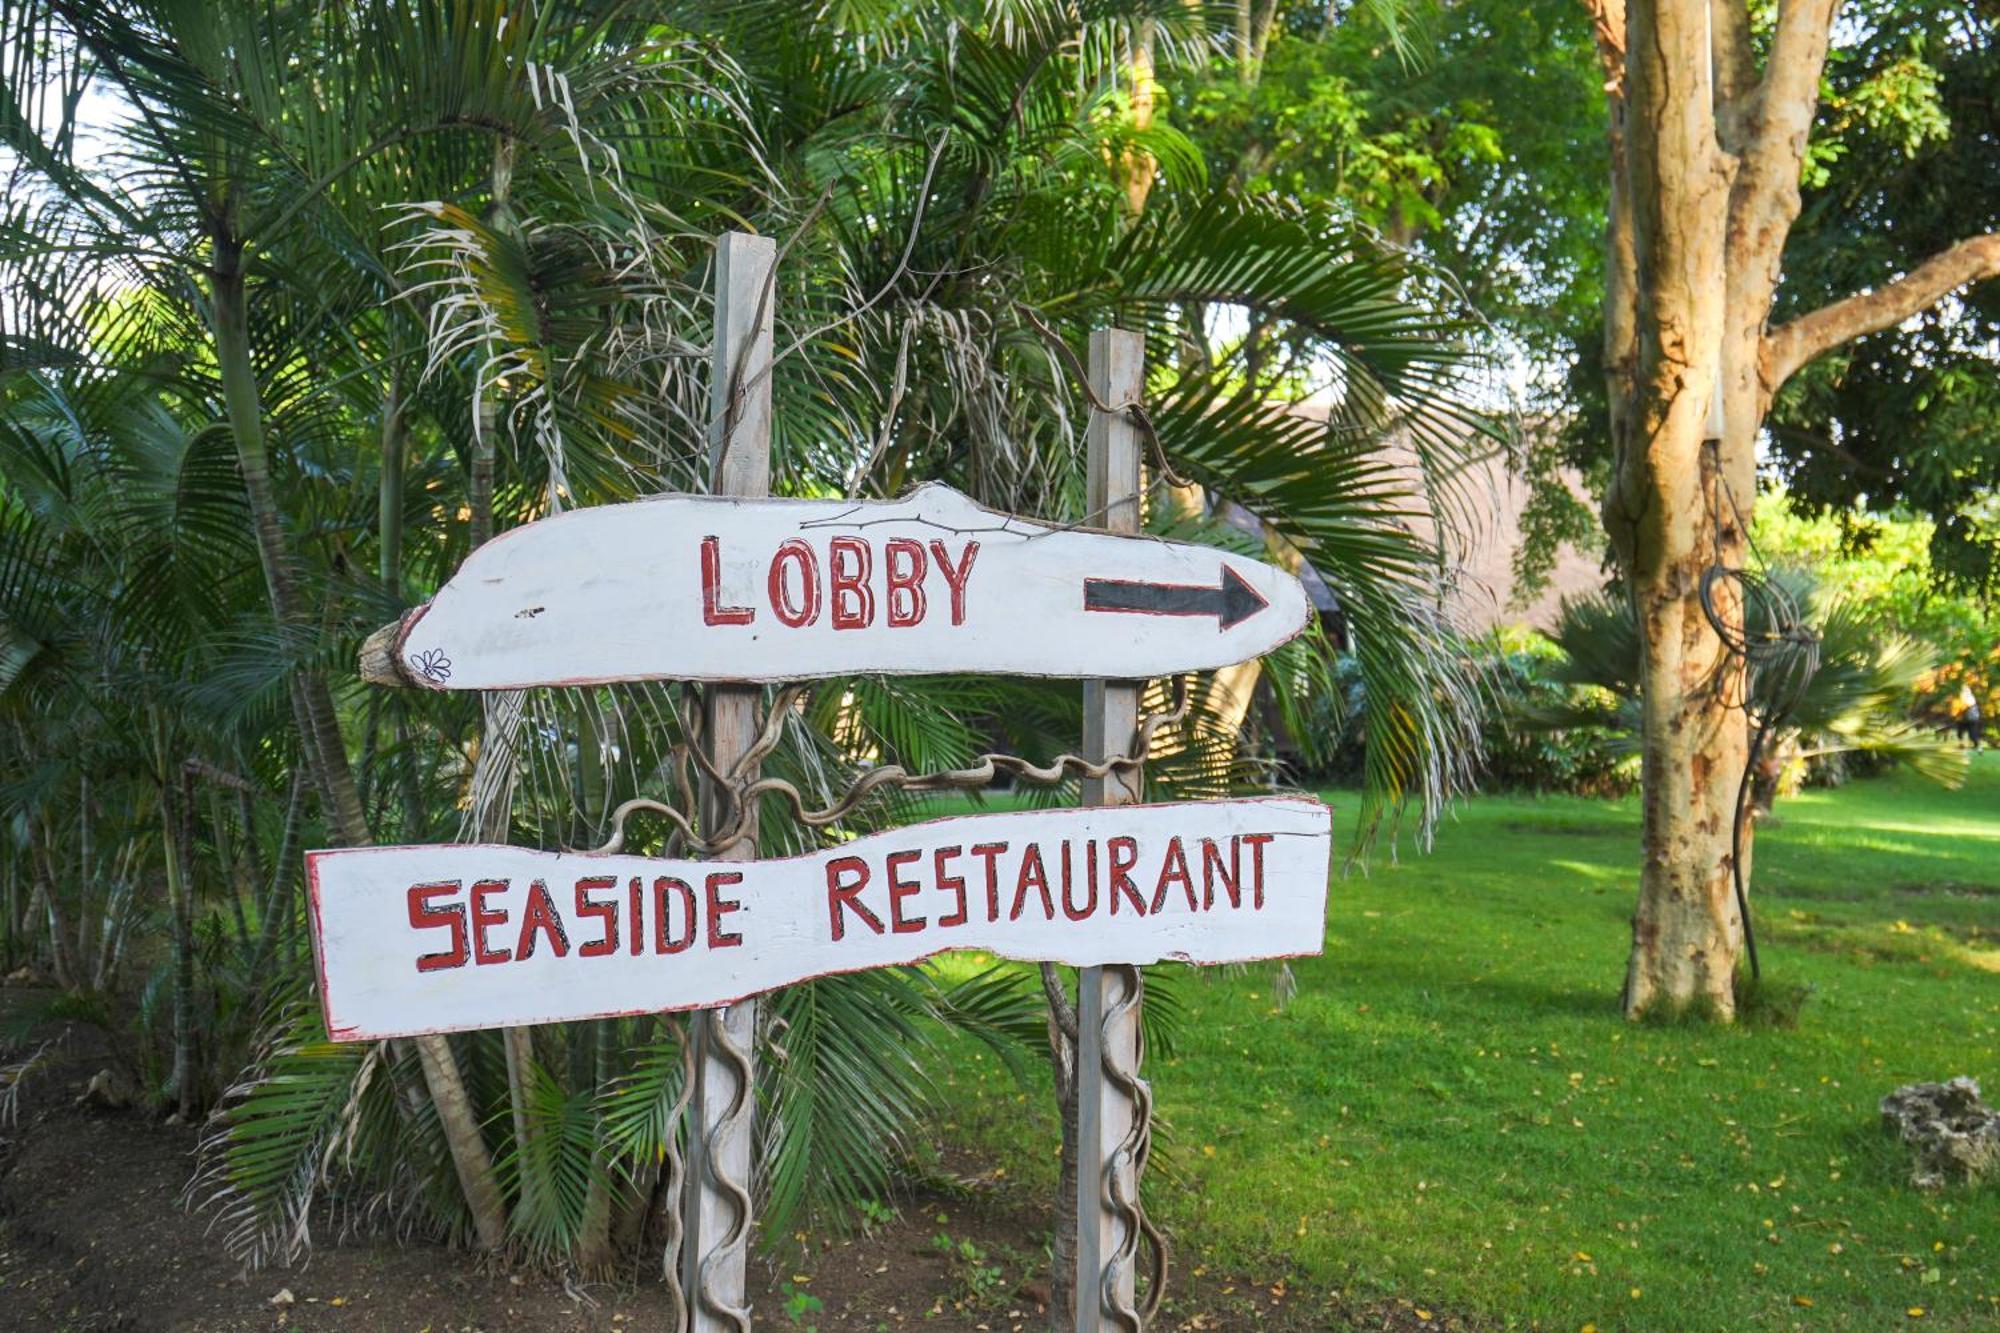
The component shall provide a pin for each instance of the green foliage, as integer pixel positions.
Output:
(799, 1305)
(1543, 731)
(1470, 131)
(1861, 698)
(1453, 1112)
(979, 1283)
(466, 227)
(1882, 564)
(1905, 417)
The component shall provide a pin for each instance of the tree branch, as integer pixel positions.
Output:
(1607, 23)
(1794, 343)
(1735, 70)
(1769, 128)
(1798, 51)
(1789, 94)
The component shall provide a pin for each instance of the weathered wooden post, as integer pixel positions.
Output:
(716, 1202)
(1107, 1019)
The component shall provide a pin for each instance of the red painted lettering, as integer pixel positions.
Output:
(662, 942)
(950, 884)
(849, 562)
(540, 915)
(989, 852)
(1070, 909)
(607, 913)
(1174, 867)
(636, 898)
(806, 610)
(900, 889)
(713, 612)
(956, 576)
(484, 916)
(842, 891)
(1124, 854)
(423, 916)
(903, 568)
(719, 907)
(1255, 842)
(1032, 873)
(1212, 870)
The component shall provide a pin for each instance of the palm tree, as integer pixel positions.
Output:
(417, 265)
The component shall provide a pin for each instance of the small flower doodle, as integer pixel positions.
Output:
(432, 665)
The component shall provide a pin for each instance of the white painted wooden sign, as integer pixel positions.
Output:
(689, 587)
(411, 940)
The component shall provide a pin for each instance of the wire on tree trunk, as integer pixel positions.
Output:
(1774, 653)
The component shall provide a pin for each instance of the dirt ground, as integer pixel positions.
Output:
(94, 1237)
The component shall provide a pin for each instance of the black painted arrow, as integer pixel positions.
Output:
(1231, 602)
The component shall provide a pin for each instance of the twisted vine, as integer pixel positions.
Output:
(736, 1116)
(742, 795)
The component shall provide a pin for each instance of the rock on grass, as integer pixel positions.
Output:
(1954, 1135)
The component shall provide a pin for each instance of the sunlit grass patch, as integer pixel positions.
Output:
(1453, 1111)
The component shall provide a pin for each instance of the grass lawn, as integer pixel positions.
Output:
(1453, 1113)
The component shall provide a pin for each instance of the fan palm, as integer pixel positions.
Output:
(1857, 700)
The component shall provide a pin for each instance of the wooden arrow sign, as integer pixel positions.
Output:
(690, 587)
(412, 940)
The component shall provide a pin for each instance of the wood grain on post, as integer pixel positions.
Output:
(716, 1201)
(1105, 1112)
(381, 660)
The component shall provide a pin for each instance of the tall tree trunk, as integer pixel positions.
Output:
(276, 906)
(389, 488)
(486, 415)
(1137, 166)
(594, 1254)
(177, 833)
(1686, 931)
(86, 873)
(312, 701)
(234, 872)
(10, 904)
(48, 904)
(313, 707)
(1706, 149)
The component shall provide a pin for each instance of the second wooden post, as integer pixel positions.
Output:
(716, 1212)
(1107, 997)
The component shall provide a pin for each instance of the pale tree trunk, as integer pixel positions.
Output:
(1686, 930)
(1138, 167)
(1706, 154)
(499, 712)
(486, 411)
(1254, 20)
(312, 702)
(177, 835)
